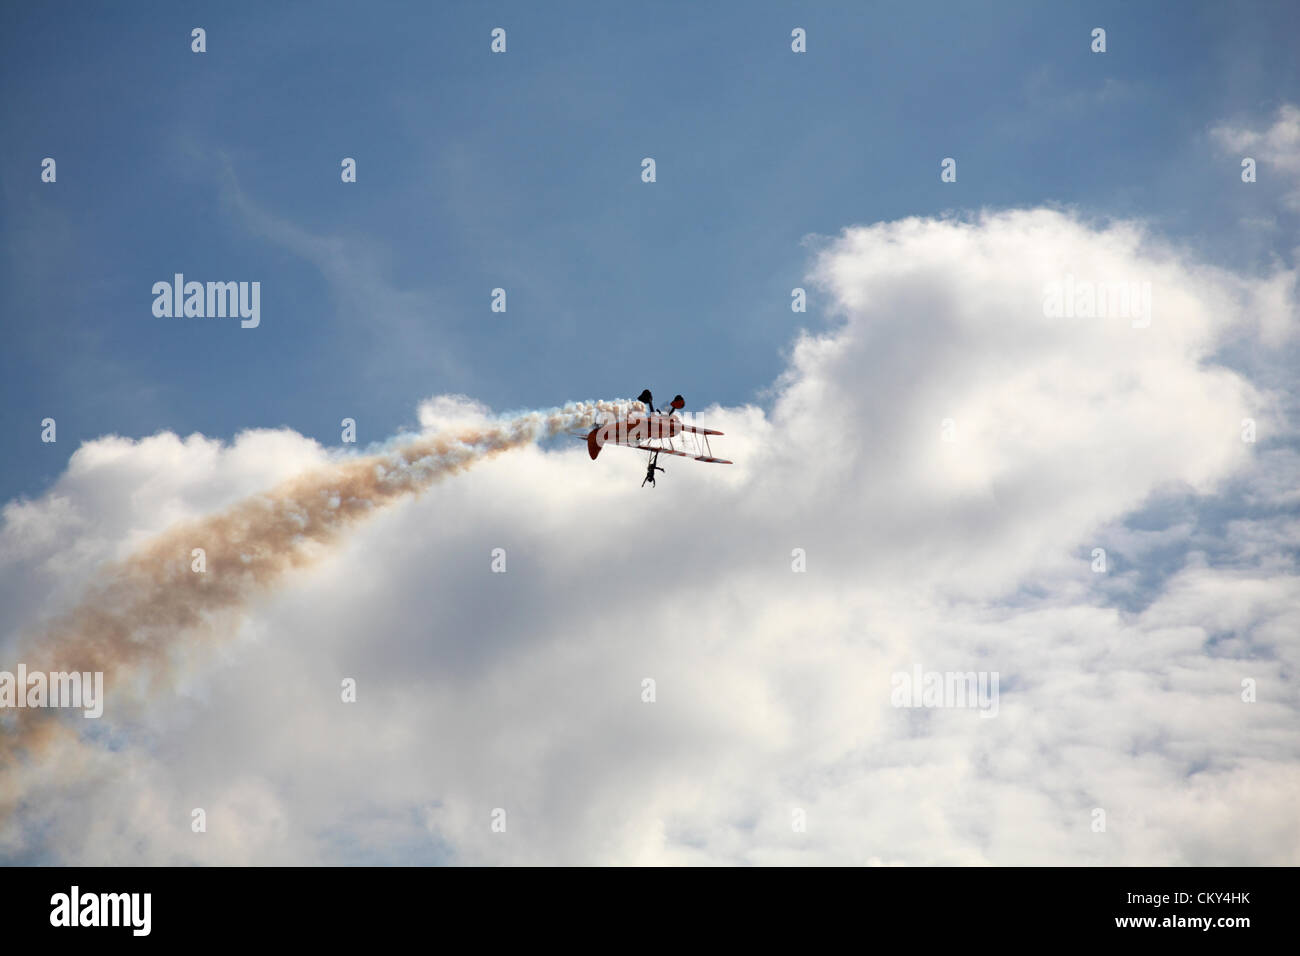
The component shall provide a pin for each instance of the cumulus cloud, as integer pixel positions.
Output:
(943, 457)
(1277, 146)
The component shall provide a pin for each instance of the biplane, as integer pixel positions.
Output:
(656, 433)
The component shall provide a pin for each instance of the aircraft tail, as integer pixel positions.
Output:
(594, 443)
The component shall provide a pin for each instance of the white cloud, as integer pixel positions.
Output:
(523, 690)
(1277, 146)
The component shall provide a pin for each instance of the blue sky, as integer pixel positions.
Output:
(522, 171)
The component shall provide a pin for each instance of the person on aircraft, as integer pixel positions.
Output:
(651, 469)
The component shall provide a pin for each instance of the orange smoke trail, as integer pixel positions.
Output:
(132, 617)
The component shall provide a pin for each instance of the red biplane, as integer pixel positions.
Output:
(656, 432)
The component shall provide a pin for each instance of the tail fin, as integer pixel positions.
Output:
(594, 442)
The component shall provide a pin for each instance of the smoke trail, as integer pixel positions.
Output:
(130, 621)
